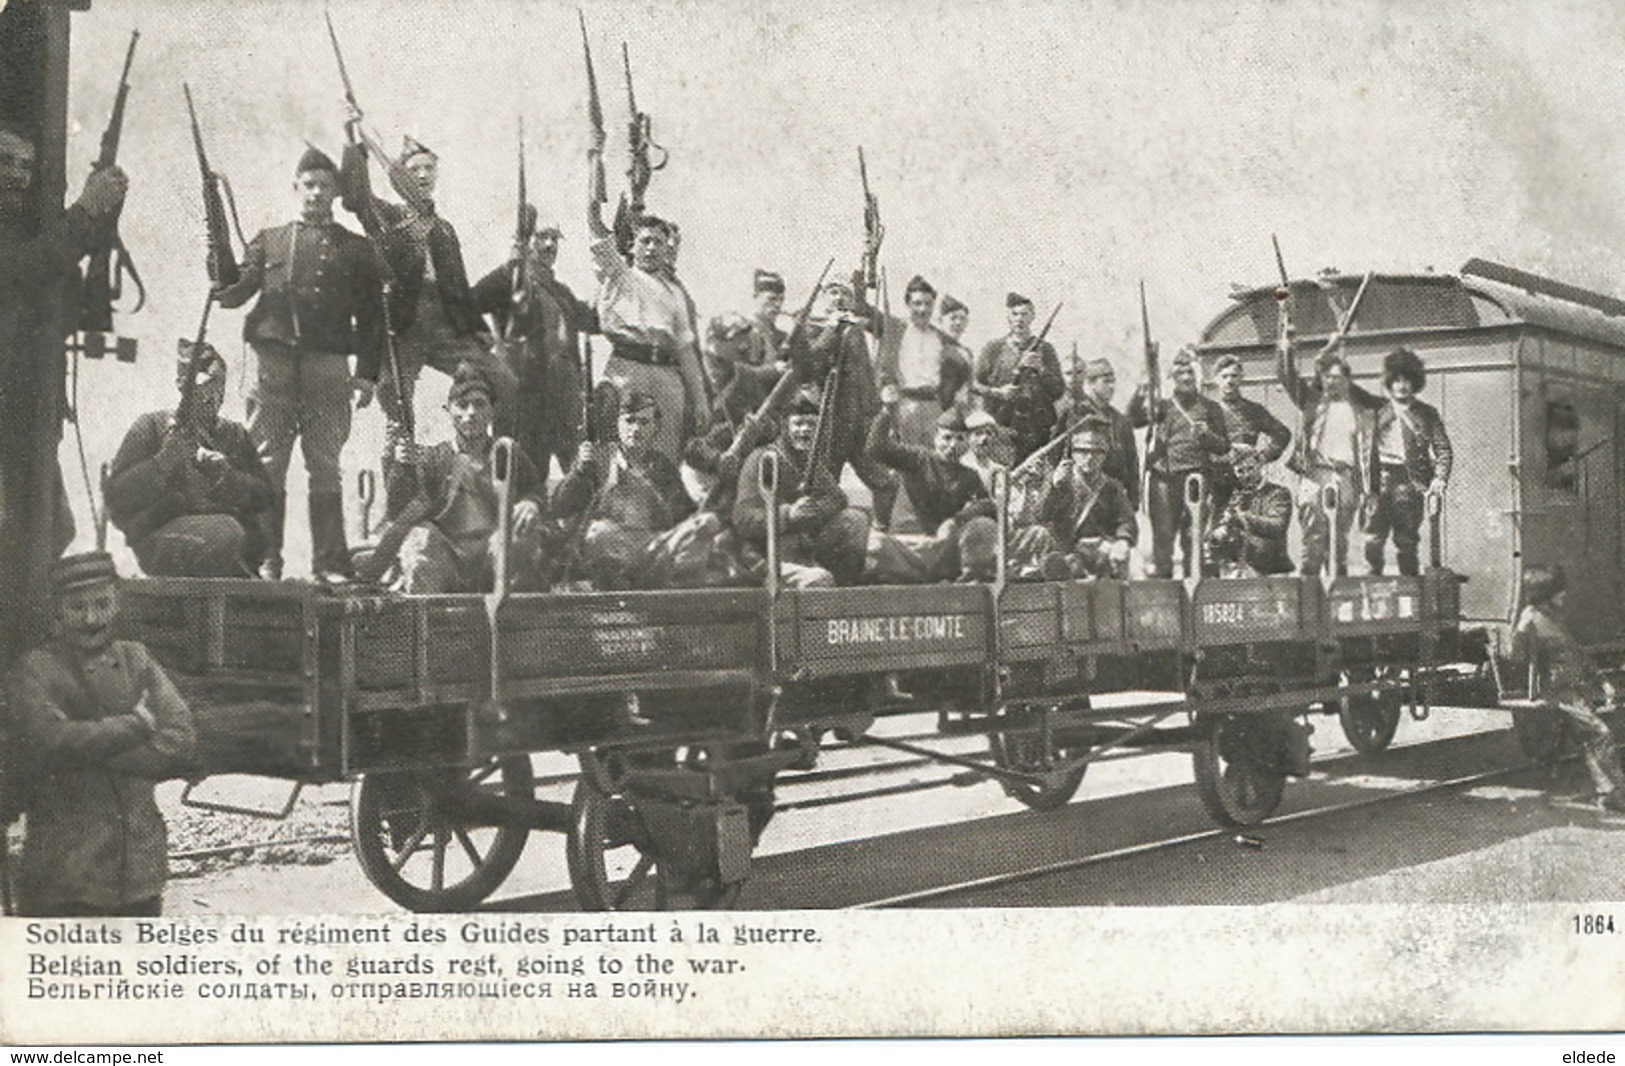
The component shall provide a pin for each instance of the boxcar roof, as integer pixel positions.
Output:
(1483, 295)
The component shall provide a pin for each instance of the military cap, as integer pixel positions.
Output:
(635, 401)
(919, 284)
(535, 223)
(467, 380)
(1015, 299)
(980, 419)
(1186, 356)
(78, 571)
(837, 283)
(767, 281)
(727, 325)
(1225, 363)
(411, 147)
(315, 159)
(1092, 435)
(1095, 368)
(807, 401)
(953, 418)
(206, 365)
(950, 305)
(1244, 453)
(1404, 363)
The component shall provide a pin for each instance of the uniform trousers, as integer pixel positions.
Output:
(303, 395)
(433, 562)
(1170, 519)
(1397, 510)
(201, 545)
(1035, 555)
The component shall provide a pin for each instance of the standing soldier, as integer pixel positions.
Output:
(320, 301)
(928, 367)
(1248, 422)
(954, 316)
(187, 488)
(1094, 404)
(1190, 432)
(649, 320)
(766, 337)
(1333, 448)
(1411, 461)
(101, 723)
(431, 307)
(835, 337)
(541, 322)
(1020, 379)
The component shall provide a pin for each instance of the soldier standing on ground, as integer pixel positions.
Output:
(319, 301)
(101, 723)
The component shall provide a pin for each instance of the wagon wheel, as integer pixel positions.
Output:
(1370, 719)
(1023, 750)
(613, 864)
(1236, 778)
(1542, 732)
(420, 842)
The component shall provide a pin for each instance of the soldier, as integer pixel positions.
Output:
(982, 457)
(822, 540)
(453, 549)
(542, 323)
(740, 389)
(1020, 380)
(187, 487)
(648, 317)
(952, 504)
(1333, 448)
(319, 289)
(1568, 678)
(40, 248)
(431, 307)
(1248, 422)
(1085, 524)
(100, 722)
(1411, 461)
(1249, 536)
(928, 367)
(621, 497)
(835, 337)
(1094, 404)
(1190, 431)
(766, 336)
(954, 316)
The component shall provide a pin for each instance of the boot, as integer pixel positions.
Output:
(270, 566)
(329, 552)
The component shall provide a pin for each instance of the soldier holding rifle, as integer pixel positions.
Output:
(1249, 536)
(1190, 433)
(1084, 524)
(319, 301)
(1248, 423)
(1096, 381)
(1019, 377)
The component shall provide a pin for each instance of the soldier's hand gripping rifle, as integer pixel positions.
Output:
(109, 265)
(782, 390)
(400, 179)
(641, 164)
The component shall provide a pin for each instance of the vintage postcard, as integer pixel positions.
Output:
(810, 519)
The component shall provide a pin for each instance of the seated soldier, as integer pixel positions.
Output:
(452, 549)
(620, 497)
(1249, 537)
(822, 541)
(1085, 524)
(187, 488)
(948, 497)
(740, 389)
(984, 457)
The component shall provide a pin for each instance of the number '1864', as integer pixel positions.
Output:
(1593, 923)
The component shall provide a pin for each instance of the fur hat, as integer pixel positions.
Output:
(1404, 363)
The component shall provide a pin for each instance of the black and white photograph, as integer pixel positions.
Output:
(574, 520)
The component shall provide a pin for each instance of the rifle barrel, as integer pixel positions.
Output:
(338, 54)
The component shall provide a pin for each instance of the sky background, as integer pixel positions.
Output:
(1064, 150)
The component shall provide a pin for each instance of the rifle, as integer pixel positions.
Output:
(524, 230)
(1034, 345)
(874, 231)
(222, 258)
(596, 192)
(639, 142)
(776, 396)
(400, 179)
(1153, 385)
(108, 266)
